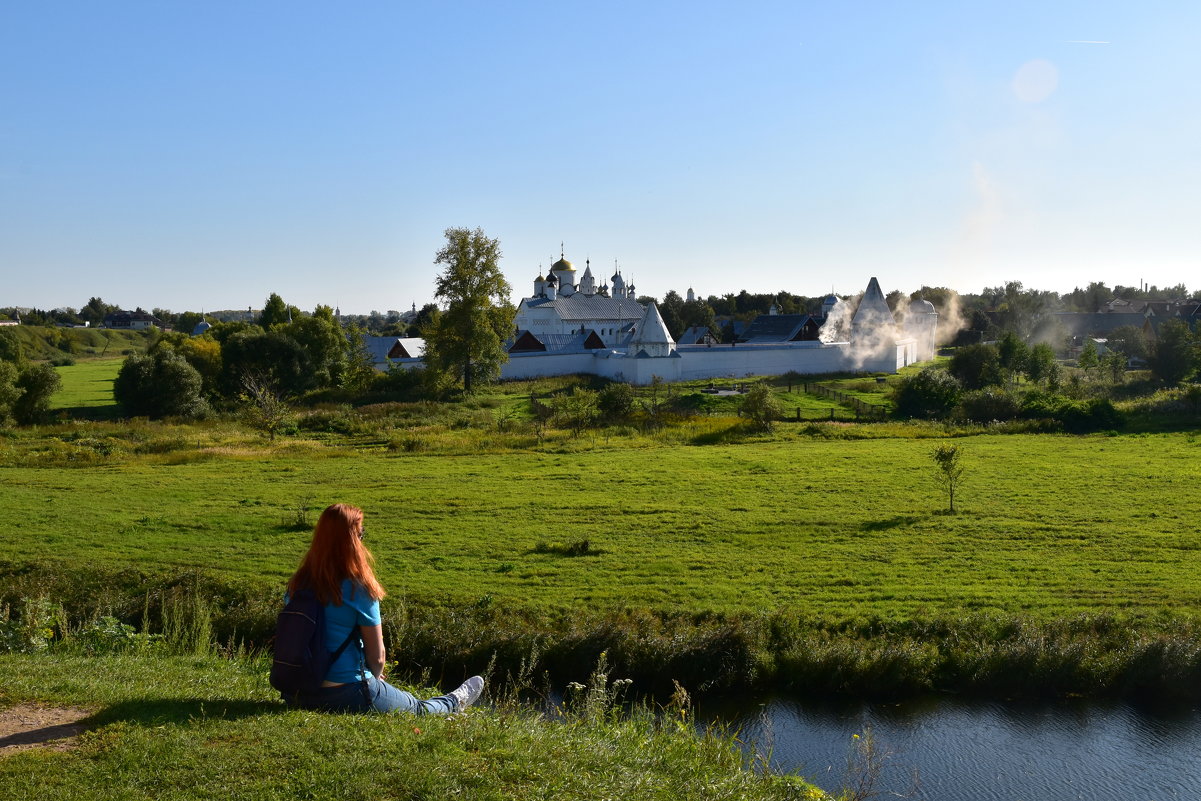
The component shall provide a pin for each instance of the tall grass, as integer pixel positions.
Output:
(985, 655)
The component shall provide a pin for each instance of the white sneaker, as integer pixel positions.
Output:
(467, 693)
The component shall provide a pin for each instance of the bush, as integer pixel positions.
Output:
(1076, 416)
(1098, 414)
(616, 401)
(986, 405)
(930, 393)
(761, 407)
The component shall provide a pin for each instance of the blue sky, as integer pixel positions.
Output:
(188, 155)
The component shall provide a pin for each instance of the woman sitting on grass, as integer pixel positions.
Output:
(338, 570)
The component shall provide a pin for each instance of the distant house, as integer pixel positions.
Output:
(698, 335)
(770, 328)
(133, 321)
(1145, 314)
(387, 351)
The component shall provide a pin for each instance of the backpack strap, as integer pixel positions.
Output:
(354, 633)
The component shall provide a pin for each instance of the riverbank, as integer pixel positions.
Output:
(162, 726)
(782, 650)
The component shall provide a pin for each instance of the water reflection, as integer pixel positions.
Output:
(948, 749)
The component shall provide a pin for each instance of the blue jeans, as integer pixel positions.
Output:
(371, 695)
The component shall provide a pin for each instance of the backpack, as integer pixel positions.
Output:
(301, 659)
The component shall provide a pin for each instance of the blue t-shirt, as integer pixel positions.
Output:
(357, 609)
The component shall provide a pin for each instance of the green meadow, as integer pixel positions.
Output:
(1048, 524)
(87, 389)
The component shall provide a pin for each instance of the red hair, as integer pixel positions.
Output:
(337, 553)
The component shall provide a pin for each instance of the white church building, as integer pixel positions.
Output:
(560, 309)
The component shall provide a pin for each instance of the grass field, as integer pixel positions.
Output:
(1050, 525)
(87, 391)
(818, 556)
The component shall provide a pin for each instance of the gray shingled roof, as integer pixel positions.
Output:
(774, 328)
(579, 306)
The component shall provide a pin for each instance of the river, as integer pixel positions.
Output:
(949, 750)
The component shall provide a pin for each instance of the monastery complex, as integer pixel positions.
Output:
(572, 325)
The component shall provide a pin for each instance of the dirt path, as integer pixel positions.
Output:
(27, 726)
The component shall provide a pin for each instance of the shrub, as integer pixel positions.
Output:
(761, 407)
(616, 401)
(1076, 416)
(985, 405)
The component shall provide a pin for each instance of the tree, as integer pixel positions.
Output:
(1114, 365)
(949, 461)
(976, 366)
(930, 393)
(204, 353)
(761, 406)
(275, 312)
(1013, 353)
(468, 339)
(426, 320)
(672, 311)
(9, 392)
(698, 314)
(1128, 340)
(186, 322)
(1041, 367)
(1088, 360)
(11, 349)
(37, 382)
(161, 384)
(263, 409)
(324, 342)
(1173, 355)
(96, 310)
(272, 354)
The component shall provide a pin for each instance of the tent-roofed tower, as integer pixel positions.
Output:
(651, 335)
(873, 324)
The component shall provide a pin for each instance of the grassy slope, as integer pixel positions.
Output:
(1050, 524)
(43, 342)
(88, 389)
(203, 727)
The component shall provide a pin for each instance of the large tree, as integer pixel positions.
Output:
(161, 384)
(37, 383)
(467, 342)
(1173, 355)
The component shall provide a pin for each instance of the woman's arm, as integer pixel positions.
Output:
(373, 649)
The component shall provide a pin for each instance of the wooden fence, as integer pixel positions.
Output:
(861, 407)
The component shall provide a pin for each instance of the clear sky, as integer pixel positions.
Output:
(202, 155)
